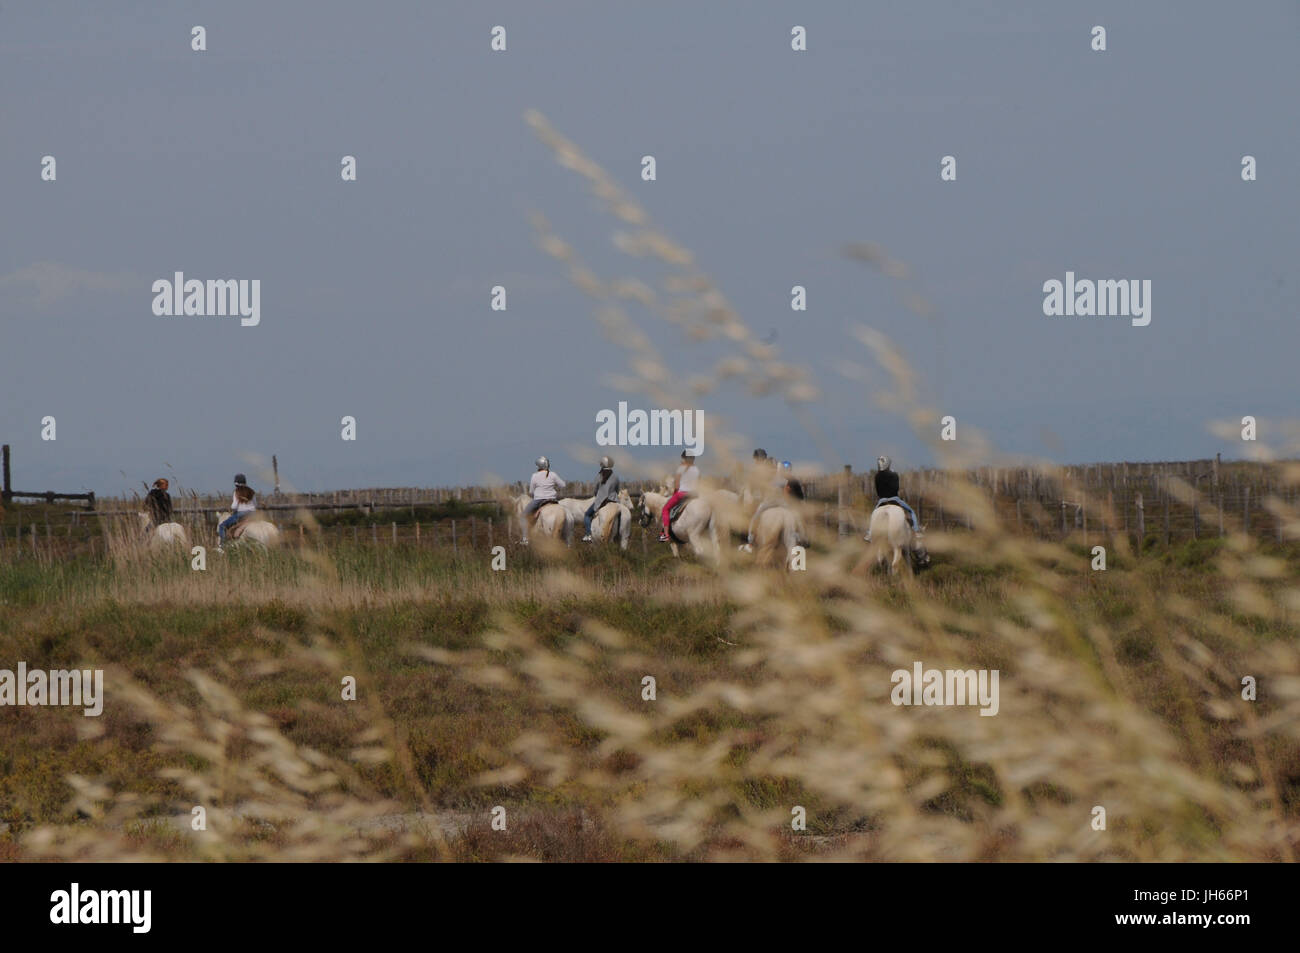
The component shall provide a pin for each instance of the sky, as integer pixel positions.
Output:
(375, 294)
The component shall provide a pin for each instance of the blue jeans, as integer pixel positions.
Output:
(588, 516)
(916, 527)
(227, 523)
(535, 505)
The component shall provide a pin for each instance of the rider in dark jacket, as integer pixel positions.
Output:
(886, 481)
(158, 503)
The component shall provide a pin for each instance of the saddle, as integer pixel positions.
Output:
(538, 512)
(892, 503)
(237, 530)
(675, 512)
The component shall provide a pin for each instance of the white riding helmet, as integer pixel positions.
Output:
(882, 463)
(606, 463)
(543, 463)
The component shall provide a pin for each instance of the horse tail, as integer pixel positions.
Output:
(789, 537)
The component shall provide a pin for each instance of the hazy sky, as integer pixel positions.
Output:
(374, 299)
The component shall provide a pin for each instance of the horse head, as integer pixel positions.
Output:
(641, 511)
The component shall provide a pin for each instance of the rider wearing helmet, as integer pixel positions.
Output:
(685, 483)
(886, 481)
(241, 507)
(544, 487)
(607, 487)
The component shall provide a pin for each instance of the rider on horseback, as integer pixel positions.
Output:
(158, 504)
(685, 483)
(886, 481)
(607, 487)
(544, 487)
(771, 487)
(241, 508)
(887, 493)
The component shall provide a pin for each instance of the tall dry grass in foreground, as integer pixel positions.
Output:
(1120, 689)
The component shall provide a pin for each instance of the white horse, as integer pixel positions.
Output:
(891, 533)
(778, 532)
(614, 519)
(251, 529)
(730, 510)
(553, 520)
(696, 524)
(164, 534)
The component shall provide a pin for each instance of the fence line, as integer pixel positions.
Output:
(1160, 502)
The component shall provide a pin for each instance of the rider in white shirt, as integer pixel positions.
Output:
(685, 483)
(543, 487)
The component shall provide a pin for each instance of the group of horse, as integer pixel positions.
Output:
(704, 518)
(255, 530)
(777, 532)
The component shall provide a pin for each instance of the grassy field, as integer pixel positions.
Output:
(523, 689)
(601, 705)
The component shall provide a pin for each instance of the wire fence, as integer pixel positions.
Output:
(1147, 502)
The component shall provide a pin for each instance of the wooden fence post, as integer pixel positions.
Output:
(843, 492)
(1245, 509)
(1165, 482)
(1141, 521)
